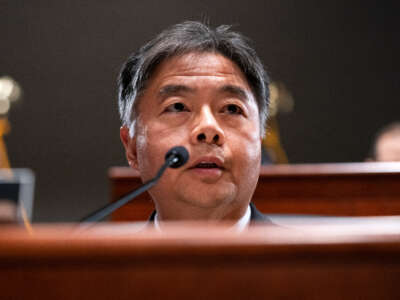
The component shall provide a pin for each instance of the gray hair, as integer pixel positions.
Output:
(183, 38)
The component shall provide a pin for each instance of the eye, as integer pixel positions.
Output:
(176, 107)
(233, 109)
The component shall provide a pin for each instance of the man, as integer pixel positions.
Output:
(387, 144)
(204, 89)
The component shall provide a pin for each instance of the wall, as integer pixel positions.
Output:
(339, 59)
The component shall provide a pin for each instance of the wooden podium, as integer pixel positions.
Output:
(347, 189)
(201, 261)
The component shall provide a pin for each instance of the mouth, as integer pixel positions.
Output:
(208, 169)
(205, 165)
(208, 163)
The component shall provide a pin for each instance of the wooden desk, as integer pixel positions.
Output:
(200, 262)
(348, 189)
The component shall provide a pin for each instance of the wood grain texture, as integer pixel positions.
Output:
(345, 189)
(194, 262)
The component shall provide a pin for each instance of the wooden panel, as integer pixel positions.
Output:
(189, 262)
(348, 189)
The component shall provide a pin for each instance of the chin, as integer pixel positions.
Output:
(209, 197)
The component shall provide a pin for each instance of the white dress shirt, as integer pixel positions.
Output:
(239, 226)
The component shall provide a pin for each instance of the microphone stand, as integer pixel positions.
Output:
(109, 208)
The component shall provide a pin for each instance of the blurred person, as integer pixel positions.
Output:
(207, 90)
(386, 145)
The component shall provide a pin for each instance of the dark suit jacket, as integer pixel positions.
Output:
(256, 217)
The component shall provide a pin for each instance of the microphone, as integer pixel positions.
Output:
(175, 158)
(178, 156)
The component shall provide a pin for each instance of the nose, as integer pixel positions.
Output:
(206, 129)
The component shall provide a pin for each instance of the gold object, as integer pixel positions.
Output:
(4, 129)
(281, 100)
(10, 92)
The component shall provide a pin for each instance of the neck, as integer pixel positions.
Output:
(186, 212)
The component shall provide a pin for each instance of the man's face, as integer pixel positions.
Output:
(201, 101)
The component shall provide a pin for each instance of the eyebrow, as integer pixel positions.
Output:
(174, 89)
(235, 91)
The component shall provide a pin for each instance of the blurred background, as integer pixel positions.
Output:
(338, 62)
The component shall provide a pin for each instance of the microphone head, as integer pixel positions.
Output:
(178, 156)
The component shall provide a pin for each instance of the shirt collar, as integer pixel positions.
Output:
(239, 226)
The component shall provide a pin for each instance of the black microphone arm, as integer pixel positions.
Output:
(175, 158)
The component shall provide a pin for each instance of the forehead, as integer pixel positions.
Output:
(198, 65)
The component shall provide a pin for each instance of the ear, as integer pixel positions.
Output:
(129, 145)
